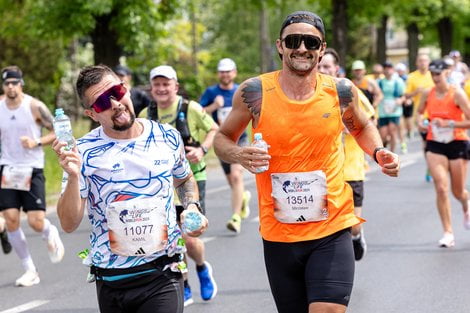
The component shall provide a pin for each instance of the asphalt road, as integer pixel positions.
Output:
(404, 269)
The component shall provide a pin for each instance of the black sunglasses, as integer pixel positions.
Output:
(294, 41)
(103, 102)
(13, 82)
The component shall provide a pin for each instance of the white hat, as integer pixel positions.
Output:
(226, 65)
(358, 65)
(165, 71)
(400, 67)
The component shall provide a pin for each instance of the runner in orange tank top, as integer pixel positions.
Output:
(446, 149)
(305, 207)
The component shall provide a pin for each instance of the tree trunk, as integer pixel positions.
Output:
(466, 52)
(340, 29)
(105, 42)
(382, 40)
(445, 29)
(265, 43)
(413, 44)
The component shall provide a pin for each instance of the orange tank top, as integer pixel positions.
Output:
(444, 108)
(303, 136)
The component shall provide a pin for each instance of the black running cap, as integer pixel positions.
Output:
(437, 66)
(304, 17)
(11, 74)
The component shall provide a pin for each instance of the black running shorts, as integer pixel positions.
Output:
(301, 273)
(160, 292)
(358, 191)
(34, 199)
(457, 149)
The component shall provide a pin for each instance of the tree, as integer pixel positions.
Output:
(114, 26)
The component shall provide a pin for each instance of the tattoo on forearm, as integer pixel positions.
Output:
(348, 121)
(46, 118)
(345, 95)
(187, 192)
(252, 95)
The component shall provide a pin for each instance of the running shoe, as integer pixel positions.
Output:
(245, 212)
(359, 245)
(235, 223)
(55, 245)
(188, 296)
(466, 220)
(428, 176)
(447, 241)
(208, 284)
(28, 279)
(6, 246)
(404, 148)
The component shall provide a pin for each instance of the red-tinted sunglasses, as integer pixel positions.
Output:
(103, 102)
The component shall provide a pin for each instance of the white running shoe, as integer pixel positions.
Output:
(447, 241)
(55, 245)
(466, 219)
(28, 279)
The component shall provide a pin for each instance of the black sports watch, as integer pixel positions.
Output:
(197, 204)
(204, 149)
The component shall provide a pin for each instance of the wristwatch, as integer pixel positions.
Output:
(38, 142)
(204, 149)
(197, 204)
(451, 123)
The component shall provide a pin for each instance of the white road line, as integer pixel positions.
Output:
(26, 306)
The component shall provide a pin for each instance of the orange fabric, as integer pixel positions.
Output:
(447, 109)
(303, 136)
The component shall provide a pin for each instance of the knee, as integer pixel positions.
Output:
(460, 194)
(36, 223)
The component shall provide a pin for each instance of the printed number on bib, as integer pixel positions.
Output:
(442, 134)
(137, 227)
(17, 177)
(222, 114)
(299, 197)
(389, 105)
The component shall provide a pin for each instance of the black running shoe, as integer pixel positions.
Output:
(6, 246)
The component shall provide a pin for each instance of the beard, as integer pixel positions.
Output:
(12, 95)
(125, 126)
(301, 68)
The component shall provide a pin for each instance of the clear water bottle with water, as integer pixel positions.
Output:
(63, 129)
(258, 142)
(192, 222)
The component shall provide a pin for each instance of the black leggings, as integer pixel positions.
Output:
(301, 273)
(162, 293)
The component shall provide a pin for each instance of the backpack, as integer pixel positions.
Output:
(181, 124)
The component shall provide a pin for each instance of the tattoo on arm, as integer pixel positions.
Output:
(46, 118)
(345, 95)
(187, 192)
(252, 95)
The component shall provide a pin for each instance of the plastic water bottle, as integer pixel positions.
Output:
(63, 129)
(192, 221)
(258, 142)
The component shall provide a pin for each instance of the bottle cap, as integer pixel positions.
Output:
(258, 136)
(59, 111)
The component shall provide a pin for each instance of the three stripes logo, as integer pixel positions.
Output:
(301, 219)
(140, 251)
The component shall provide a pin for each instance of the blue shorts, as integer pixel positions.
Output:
(304, 272)
(384, 121)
